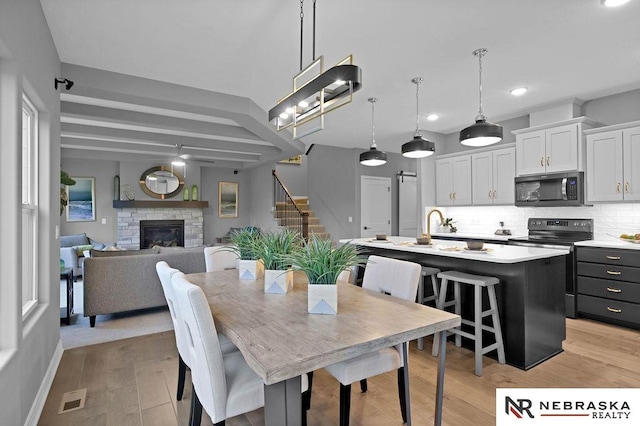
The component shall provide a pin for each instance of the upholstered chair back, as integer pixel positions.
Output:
(219, 258)
(207, 369)
(398, 278)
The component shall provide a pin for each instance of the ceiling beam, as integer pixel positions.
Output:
(159, 139)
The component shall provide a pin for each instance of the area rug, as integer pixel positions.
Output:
(111, 327)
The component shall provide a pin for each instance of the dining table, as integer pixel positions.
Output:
(281, 341)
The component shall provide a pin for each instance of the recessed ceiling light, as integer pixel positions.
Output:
(614, 3)
(432, 117)
(518, 91)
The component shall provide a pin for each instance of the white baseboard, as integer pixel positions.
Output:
(43, 392)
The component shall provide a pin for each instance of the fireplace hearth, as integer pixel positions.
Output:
(162, 233)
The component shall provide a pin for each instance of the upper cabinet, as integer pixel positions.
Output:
(453, 181)
(613, 155)
(493, 175)
(551, 148)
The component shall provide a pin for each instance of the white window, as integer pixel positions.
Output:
(29, 257)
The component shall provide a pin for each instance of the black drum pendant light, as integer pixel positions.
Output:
(481, 133)
(373, 157)
(418, 147)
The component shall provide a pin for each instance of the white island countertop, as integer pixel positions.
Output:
(496, 253)
(474, 236)
(619, 244)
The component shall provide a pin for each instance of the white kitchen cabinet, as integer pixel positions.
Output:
(551, 148)
(493, 174)
(453, 181)
(613, 155)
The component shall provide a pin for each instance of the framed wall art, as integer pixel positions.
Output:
(296, 159)
(227, 199)
(82, 200)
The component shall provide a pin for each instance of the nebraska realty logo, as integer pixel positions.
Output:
(562, 406)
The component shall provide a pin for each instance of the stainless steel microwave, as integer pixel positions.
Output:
(550, 190)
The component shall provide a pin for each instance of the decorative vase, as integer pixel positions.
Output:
(277, 281)
(116, 187)
(185, 193)
(322, 299)
(194, 192)
(250, 269)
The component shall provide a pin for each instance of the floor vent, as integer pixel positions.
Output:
(73, 400)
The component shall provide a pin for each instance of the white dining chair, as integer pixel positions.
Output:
(397, 278)
(219, 258)
(223, 384)
(165, 273)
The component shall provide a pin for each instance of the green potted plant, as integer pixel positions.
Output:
(448, 223)
(243, 242)
(65, 180)
(323, 263)
(275, 251)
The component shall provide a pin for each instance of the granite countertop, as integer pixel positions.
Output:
(495, 253)
(619, 244)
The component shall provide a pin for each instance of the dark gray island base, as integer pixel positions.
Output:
(530, 299)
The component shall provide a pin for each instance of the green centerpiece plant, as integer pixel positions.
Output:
(243, 244)
(323, 263)
(275, 250)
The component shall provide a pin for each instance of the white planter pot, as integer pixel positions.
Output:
(278, 282)
(250, 269)
(322, 299)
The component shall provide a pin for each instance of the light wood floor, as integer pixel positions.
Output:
(133, 382)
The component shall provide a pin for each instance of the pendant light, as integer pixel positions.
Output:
(418, 147)
(481, 133)
(373, 157)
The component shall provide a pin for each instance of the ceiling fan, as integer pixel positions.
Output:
(182, 159)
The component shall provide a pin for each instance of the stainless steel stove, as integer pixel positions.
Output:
(559, 233)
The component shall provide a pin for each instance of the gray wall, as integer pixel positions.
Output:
(213, 225)
(294, 176)
(103, 171)
(29, 350)
(614, 109)
(334, 187)
(261, 203)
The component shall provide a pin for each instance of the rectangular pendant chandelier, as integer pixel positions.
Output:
(315, 93)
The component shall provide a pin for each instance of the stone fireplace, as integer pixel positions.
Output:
(162, 233)
(129, 219)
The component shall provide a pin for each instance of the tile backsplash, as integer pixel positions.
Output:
(610, 220)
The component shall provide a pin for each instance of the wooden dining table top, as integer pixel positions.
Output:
(280, 340)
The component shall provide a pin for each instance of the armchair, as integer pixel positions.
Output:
(72, 248)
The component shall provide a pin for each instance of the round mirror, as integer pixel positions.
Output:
(161, 182)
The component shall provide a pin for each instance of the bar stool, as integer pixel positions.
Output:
(432, 273)
(478, 282)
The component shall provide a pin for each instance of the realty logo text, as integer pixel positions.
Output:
(594, 409)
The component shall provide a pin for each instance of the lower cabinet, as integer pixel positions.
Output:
(609, 285)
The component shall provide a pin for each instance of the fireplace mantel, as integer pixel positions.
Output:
(145, 204)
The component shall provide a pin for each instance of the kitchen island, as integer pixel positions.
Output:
(530, 294)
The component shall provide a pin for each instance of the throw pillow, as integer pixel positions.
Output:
(81, 249)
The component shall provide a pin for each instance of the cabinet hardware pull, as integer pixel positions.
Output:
(614, 272)
(494, 194)
(626, 187)
(614, 290)
(613, 257)
(614, 310)
(489, 194)
(548, 161)
(451, 195)
(454, 195)
(618, 187)
(542, 161)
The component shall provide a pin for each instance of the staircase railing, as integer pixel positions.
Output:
(286, 210)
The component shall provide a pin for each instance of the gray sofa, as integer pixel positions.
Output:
(127, 280)
(72, 249)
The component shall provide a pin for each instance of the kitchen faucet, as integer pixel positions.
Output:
(429, 221)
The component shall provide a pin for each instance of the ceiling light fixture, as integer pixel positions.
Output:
(373, 157)
(518, 91)
(432, 117)
(481, 133)
(315, 91)
(418, 147)
(613, 3)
